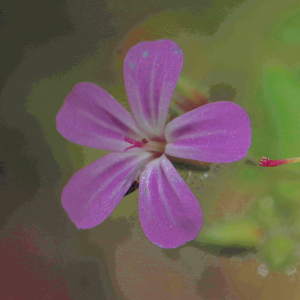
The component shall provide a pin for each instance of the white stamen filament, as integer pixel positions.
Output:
(155, 146)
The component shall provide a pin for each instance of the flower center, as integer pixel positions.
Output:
(153, 146)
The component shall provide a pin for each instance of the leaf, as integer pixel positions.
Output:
(242, 233)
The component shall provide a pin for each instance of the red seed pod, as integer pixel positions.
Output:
(266, 162)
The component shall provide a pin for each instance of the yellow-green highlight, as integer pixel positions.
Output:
(243, 233)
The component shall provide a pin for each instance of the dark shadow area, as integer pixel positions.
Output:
(222, 92)
(228, 251)
(190, 167)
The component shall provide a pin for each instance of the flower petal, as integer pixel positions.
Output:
(217, 132)
(151, 71)
(93, 192)
(169, 212)
(92, 117)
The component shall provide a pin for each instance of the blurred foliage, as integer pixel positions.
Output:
(242, 233)
(281, 89)
(287, 28)
(278, 252)
(250, 57)
(290, 189)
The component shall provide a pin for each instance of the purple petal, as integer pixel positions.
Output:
(92, 117)
(92, 193)
(217, 132)
(169, 212)
(151, 71)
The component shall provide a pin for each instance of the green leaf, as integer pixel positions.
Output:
(275, 110)
(282, 92)
(243, 233)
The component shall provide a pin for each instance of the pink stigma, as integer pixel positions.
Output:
(136, 144)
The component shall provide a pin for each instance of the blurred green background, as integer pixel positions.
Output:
(241, 51)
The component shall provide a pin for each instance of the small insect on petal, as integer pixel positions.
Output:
(133, 187)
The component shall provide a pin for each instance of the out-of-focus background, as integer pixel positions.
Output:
(241, 51)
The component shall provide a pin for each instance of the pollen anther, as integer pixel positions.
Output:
(136, 144)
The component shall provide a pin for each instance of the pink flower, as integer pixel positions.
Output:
(141, 143)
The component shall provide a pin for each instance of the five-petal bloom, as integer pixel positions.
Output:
(169, 212)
